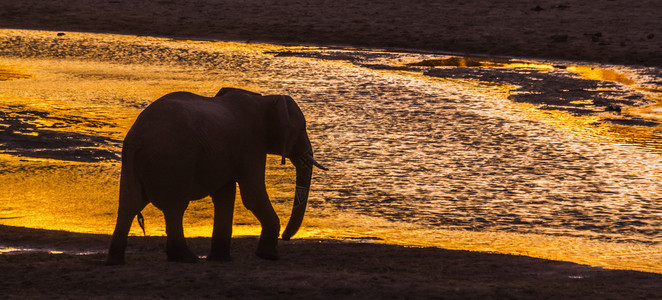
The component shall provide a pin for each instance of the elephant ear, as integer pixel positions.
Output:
(290, 119)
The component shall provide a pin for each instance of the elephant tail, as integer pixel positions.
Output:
(141, 222)
(132, 193)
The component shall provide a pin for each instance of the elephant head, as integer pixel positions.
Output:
(294, 144)
(289, 139)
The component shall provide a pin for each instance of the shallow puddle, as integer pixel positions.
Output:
(546, 159)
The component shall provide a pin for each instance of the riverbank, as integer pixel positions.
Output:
(308, 269)
(620, 32)
(332, 269)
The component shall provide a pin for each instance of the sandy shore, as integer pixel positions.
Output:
(614, 31)
(620, 31)
(309, 269)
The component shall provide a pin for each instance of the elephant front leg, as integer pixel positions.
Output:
(223, 211)
(255, 198)
(176, 248)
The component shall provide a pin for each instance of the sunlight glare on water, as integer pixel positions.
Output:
(423, 155)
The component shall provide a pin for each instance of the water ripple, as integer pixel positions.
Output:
(435, 146)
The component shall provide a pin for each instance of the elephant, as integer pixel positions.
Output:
(184, 147)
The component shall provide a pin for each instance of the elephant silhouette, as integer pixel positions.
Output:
(184, 147)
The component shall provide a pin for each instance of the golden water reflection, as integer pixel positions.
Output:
(490, 62)
(449, 146)
(10, 73)
(595, 73)
(604, 125)
(82, 198)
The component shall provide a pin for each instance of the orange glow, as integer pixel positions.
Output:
(595, 73)
(104, 97)
(484, 62)
(11, 73)
(593, 126)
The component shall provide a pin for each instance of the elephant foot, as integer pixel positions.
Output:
(268, 255)
(115, 257)
(267, 250)
(183, 256)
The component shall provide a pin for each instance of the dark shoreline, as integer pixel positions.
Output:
(619, 32)
(629, 33)
(318, 269)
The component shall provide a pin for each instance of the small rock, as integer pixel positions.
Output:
(595, 37)
(650, 36)
(614, 108)
(537, 8)
(561, 6)
(60, 33)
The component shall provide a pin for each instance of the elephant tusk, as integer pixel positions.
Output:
(308, 160)
(315, 163)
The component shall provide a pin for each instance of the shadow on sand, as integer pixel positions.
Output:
(307, 269)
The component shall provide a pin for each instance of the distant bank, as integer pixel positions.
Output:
(619, 32)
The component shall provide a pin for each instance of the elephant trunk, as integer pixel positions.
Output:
(304, 169)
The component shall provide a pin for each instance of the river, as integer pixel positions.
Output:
(551, 159)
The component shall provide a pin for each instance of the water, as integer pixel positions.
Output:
(548, 159)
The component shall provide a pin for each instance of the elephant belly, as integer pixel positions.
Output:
(179, 171)
(182, 149)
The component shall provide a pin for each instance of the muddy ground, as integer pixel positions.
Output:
(308, 269)
(615, 31)
(619, 31)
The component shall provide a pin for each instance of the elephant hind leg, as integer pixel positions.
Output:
(125, 215)
(176, 247)
(132, 201)
(223, 200)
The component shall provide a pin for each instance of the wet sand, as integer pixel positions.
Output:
(308, 269)
(628, 34)
(622, 32)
